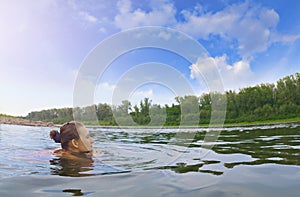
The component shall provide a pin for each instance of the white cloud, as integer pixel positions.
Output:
(235, 76)
(205, 69)
(164, 35)
(88, 17)
(128, 17)
(102, 30)
(107, 86)
(142, 93)
(104, 92)
(286, 39)
(251, 27)
(268, 17)
(124, 6)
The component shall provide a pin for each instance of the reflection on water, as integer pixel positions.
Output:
(129, 150)
(277, 146)
(256, 160)
(184, 168)
(252, 145)
(71, 167)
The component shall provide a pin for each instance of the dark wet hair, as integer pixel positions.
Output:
(68, 132)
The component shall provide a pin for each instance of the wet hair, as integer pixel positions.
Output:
(68, 132)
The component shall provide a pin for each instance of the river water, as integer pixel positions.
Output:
(243, 161)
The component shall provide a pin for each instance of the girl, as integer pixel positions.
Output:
(75, 140)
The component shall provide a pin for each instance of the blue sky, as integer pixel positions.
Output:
(43, 44)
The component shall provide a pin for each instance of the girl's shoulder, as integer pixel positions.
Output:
(59, 151)
(64, 154)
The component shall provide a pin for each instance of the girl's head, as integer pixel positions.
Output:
(74, 137)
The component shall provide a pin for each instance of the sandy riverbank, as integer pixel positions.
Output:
(19, 121)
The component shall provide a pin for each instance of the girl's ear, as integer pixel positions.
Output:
(74, 143)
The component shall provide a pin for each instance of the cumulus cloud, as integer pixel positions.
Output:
(164, 35)
(205, 69)
(88, 17)
(143, 93)
(286, 39)
(107, 86)
(248, 29)
(250, 26)
(237, 75)
(159, 15)
(104, 92)
(234, 76)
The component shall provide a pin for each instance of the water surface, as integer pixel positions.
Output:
(244, 161)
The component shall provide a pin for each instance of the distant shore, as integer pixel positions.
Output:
(19, 121)
(241, 124)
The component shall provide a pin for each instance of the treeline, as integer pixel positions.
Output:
(258, 103)
(57, 116)
(6, 116)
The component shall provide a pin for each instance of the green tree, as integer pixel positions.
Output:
(105, 114)
(121, 113)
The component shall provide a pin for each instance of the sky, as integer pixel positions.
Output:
(45, 43)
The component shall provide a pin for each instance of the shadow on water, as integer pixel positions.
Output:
(71, 167)
(74, 192)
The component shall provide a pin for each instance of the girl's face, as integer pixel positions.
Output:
(86, 141)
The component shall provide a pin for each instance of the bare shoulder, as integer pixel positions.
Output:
(59, 152)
